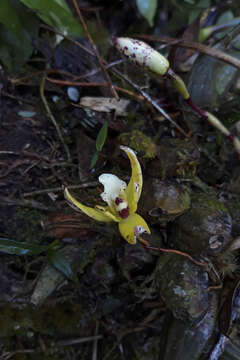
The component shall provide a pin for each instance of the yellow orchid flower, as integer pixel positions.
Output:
(121, 199)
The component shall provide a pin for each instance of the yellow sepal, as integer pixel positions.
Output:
(129, 228)
(134, 187)
(96, 214)
(106, 210)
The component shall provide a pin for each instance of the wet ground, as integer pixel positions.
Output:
(71, 288)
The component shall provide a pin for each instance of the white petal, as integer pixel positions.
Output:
(113, 187)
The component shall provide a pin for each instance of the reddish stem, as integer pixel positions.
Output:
(197, 109)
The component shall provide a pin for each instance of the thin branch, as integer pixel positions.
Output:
(9, 355)
(94, 84)
(95, 343)
(100, 60)
(22, 202)
(60, 189)
(50, 115)
(218, 54)
(152, 102)
(78, 340)
(178, 252)
(77, 83)
(213, 274)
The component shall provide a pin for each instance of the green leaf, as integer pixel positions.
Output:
(147, 9)
(19, 248)
(60, 262)
(18, 28)
(102, 135)
(197, 9)
(9, 17)
(94, 160)
(56, 13)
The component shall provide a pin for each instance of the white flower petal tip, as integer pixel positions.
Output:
(142, 54)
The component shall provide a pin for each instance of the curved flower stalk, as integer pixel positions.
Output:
(121, 199)
(145, 56)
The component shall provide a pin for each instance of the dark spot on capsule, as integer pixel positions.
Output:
(124, 213)
(133, 55)
(125, 48)
(118, 201)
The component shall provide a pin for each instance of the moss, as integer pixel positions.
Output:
(46, 320)
(60, 318)
(139, 142)
(22, 328)
(233, 206)
(187, 168)
(27, 225)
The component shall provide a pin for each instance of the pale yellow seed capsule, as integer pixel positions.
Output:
(142, 54)
(217, 124)
(236, 143)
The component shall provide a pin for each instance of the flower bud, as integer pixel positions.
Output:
(142, 54)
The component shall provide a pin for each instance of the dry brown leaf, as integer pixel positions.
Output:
(105, 104)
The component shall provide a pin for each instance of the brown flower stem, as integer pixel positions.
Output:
(173, 251)
(197, 109)
(213, 275)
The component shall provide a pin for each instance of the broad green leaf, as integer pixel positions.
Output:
(102, 135)
(9, 18)
(94, 160)
(56, 13)
(224, 18)
(60, 262)
(147, 9)
(19, 248)
(18, 27)
(197, 9)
